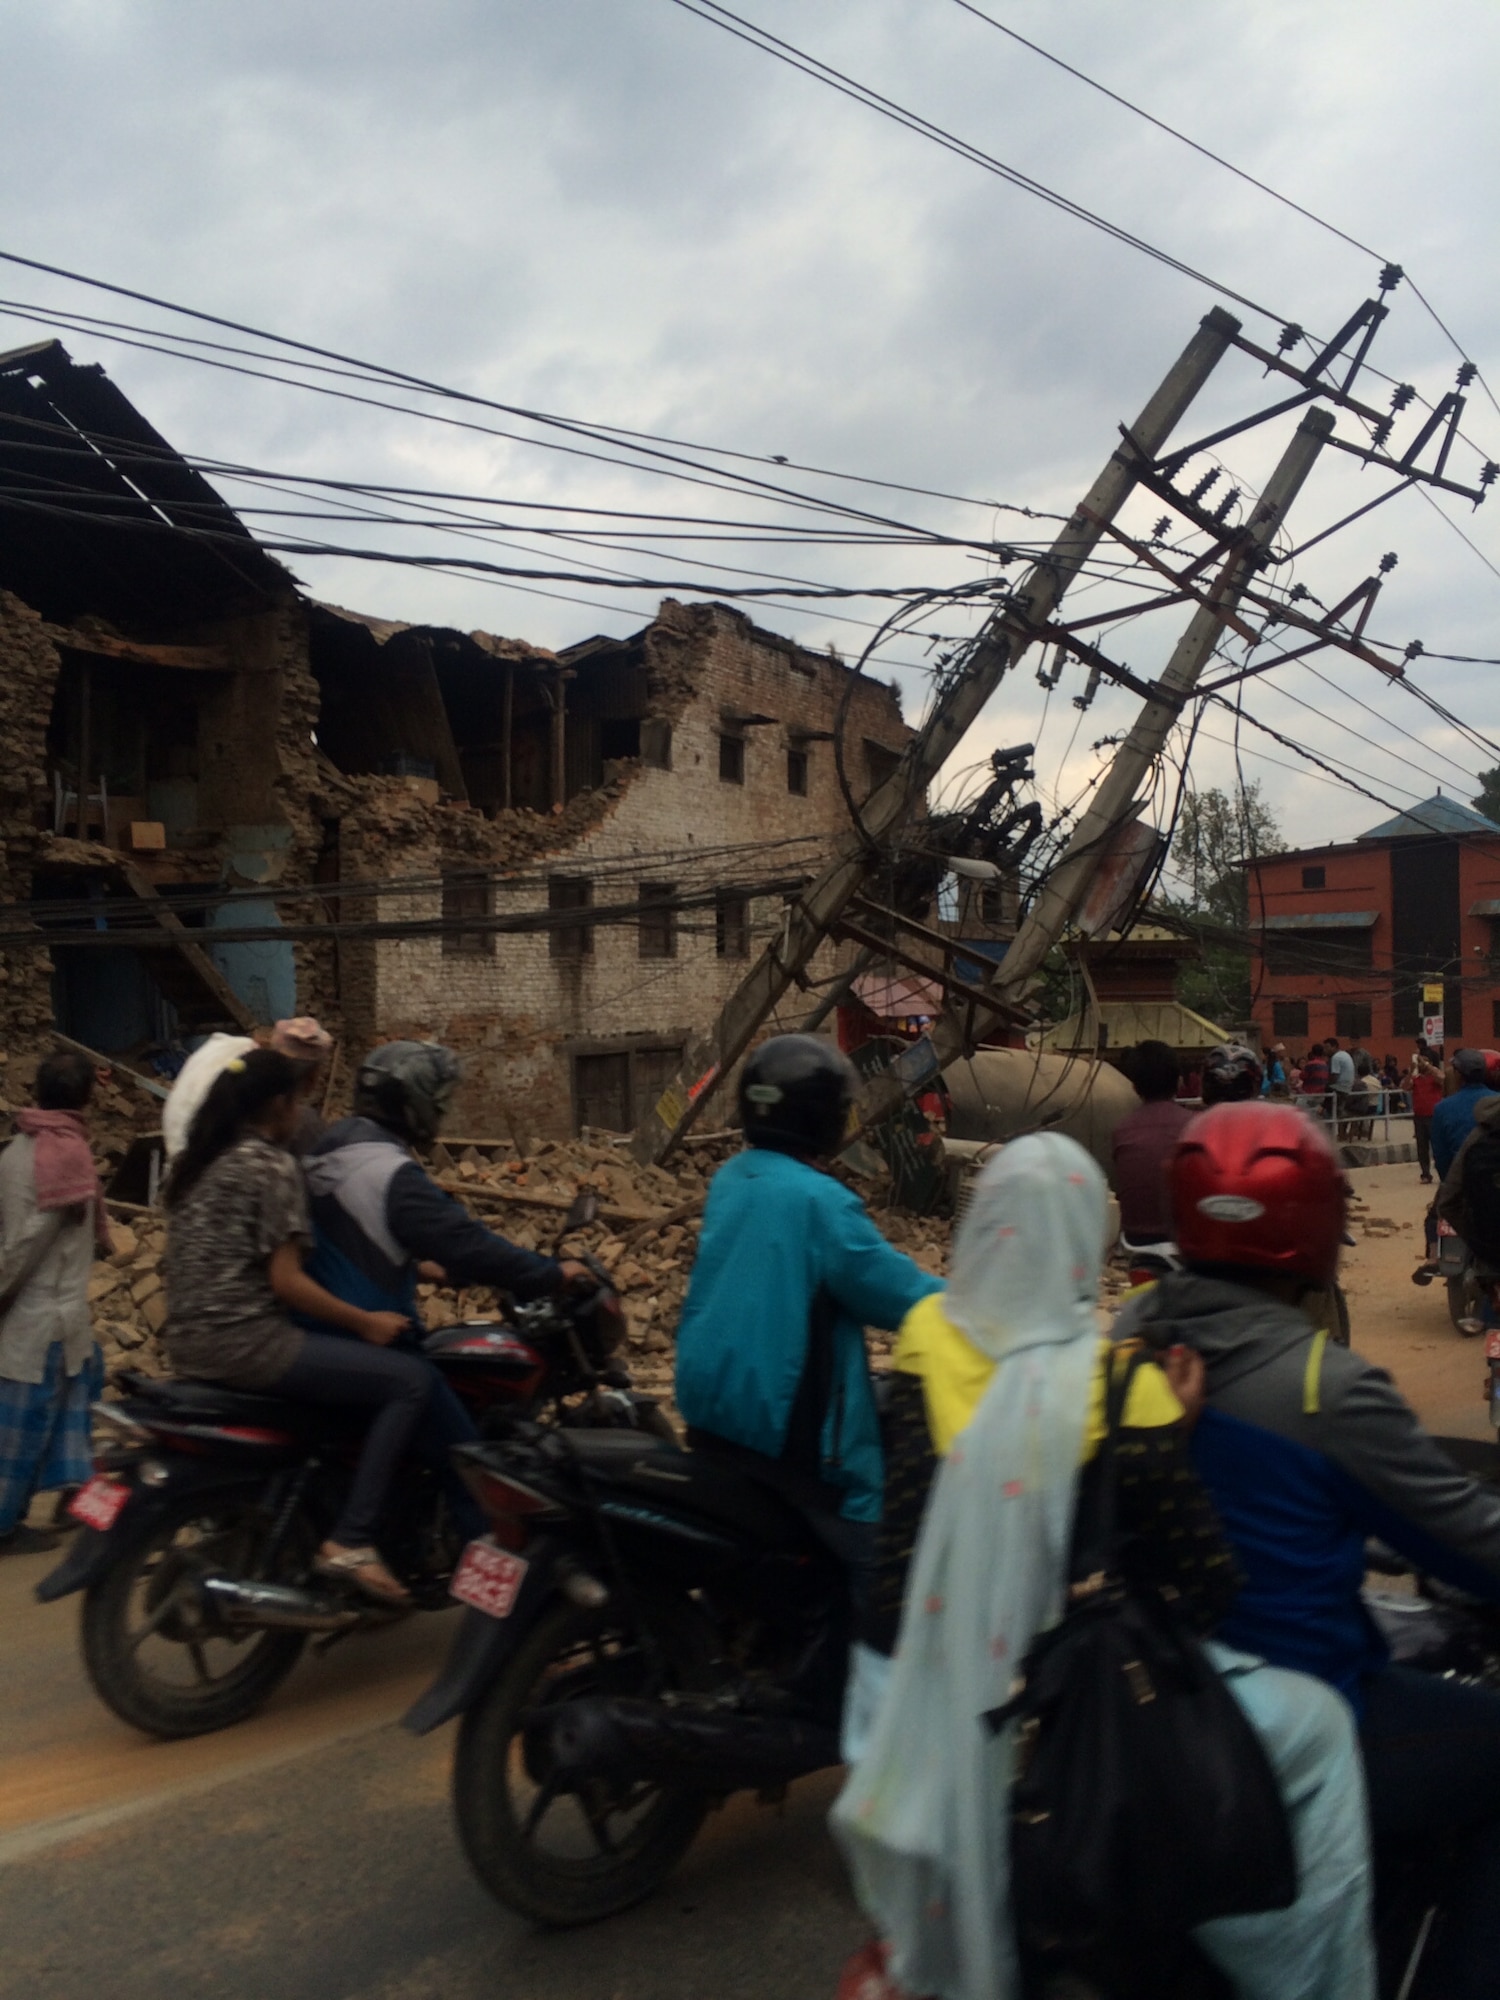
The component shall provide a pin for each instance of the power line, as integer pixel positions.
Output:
(756, 37)
(91, 323)
(405, 559)
(1172, 131)
(645, 444)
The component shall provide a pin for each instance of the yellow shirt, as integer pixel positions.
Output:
(954, 1375)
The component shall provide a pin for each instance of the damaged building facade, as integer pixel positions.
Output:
(559, 863)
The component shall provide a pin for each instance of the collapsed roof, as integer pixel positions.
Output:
(101, 515)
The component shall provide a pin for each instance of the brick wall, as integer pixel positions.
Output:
(519, 1013)
(28, 675)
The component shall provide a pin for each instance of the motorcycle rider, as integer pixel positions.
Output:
(1453, 1118)
(237, 1235)
(377, 1215)
(1453, 1121)
(1307, 1450)
(1469, 1201)
(771, 1363)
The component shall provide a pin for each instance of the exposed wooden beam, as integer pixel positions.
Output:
(184, 941)
(199, 659)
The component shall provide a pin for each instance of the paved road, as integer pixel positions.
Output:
(310, 1855)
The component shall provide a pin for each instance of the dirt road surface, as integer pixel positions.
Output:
(310, 1855)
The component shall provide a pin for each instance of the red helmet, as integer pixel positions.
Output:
(1259, 1186)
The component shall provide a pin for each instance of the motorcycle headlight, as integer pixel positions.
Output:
(151, 1472)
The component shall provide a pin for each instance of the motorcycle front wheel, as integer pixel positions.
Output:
(563, 1859)
(148, 1652)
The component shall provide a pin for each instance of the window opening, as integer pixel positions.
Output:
(571, 892)
(466, 896)
(658, 921)
(732, 926)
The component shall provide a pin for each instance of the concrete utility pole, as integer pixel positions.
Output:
(1003, 640)
(1114, 801)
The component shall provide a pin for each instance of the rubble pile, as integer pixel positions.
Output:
(127, 1294)
(646, 1236)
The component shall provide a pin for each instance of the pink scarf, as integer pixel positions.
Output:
(64, 1164)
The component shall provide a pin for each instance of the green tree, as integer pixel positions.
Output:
(1216, 835)
(1488, 799)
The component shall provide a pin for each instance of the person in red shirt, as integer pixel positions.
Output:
(1315, 1071)
(1144, 1141)
(1425, 1082)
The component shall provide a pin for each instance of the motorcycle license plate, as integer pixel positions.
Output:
(489, 1578)
(1492, 1344)
(101, 1503)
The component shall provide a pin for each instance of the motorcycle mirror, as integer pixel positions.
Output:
(583, 1211)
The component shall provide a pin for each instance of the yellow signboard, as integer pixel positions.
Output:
(1432, 998)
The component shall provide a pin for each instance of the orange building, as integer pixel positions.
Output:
(1348, 937)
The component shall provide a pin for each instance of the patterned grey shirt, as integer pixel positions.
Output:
(223, 1321)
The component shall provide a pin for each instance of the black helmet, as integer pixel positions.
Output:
(406, 1086)
(795, 1094)
(1469, 1065)
(1231, 1073)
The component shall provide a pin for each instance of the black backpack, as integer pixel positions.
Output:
(1481, 1195)
(1143, 1803)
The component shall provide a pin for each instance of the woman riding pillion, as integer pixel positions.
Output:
(1006, 1372)
(237, 1233)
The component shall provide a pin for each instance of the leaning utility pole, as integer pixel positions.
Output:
(1116, 799)
(1005, 637)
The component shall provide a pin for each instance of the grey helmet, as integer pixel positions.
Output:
(407, 1086)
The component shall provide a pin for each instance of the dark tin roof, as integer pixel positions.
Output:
(1435, 815)
(101, 516)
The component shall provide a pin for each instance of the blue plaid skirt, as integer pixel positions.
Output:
(44, 1433)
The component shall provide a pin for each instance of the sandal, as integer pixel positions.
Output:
(364, 1568)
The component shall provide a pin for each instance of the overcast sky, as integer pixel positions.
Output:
(609, 209)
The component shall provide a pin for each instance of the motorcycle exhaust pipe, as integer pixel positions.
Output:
(277, 1605)
(714, 1751)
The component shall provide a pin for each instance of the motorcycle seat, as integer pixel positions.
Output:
(212, 1403)
(695, 1480)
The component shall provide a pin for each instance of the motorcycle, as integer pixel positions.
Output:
(643, 1637)
(207, 1507)
(648, 1630)
(1469, 1292)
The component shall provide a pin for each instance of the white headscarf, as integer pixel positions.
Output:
(924, 1818)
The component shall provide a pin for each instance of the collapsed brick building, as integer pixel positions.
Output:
(221, 801)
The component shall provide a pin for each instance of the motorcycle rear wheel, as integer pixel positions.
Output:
(506, 1817)
(145, 1661)
(1463, 1301)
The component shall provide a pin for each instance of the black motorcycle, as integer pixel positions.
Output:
(207, 1507)
(649, 1630)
